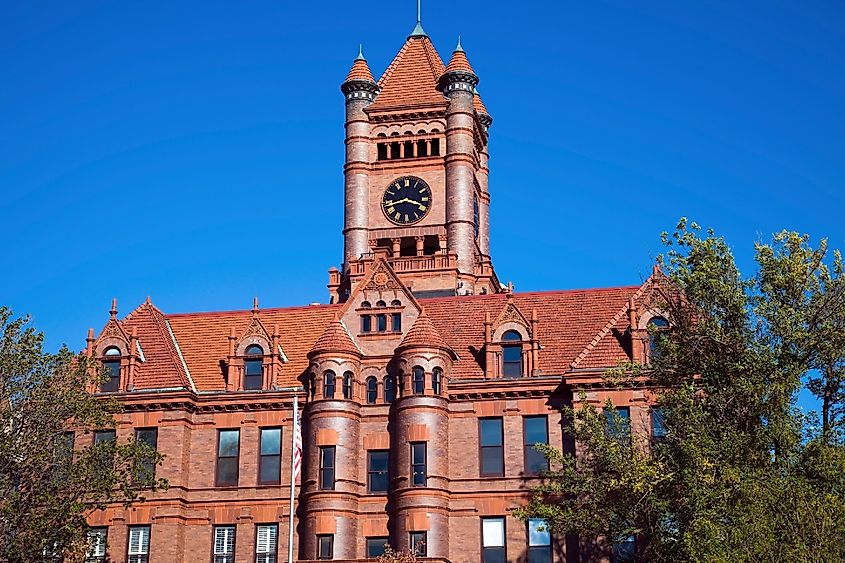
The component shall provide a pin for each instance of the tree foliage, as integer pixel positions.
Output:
(47, 489)
(743, 474)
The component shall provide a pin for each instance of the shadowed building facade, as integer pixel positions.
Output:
(424, 383)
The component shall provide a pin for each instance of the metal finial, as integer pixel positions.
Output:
(418, 30)
(458, 48)
(360, 56)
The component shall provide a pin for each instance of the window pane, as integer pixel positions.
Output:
(271, 441)
(103, 436)
(377, 468)
(535, 430)
(227, 471)
(418, 543)
(625, 551)
(381, 321)
(228, 445)
(270, 469)
(375, 546)
(535, 462)
(491, 461)
(389, 390)
(541, 554)
(396, 322)
(658, 423)
(324, 547)
(491, 431)
(253, 367)
(493, 532)
(538, 532)
(372, 390)
(418, 381)
(366, 323)
(266, 543)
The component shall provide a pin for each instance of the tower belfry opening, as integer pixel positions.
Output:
(416, 173)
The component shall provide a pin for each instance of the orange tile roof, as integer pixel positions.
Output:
(568, 325)
(335, 339)
(479, 105)
(162, 367)
(203, 339)
(411, 79)
(459, 61)
(360, 71)
(424, 334)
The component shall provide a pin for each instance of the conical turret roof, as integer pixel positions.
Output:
(335, 339)
(459, 61)
(423, 334)
(360, 69)
(479, 105)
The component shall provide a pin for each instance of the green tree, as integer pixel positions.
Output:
(48, 488)
(742, 474)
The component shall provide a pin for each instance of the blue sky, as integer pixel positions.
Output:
(191, 151)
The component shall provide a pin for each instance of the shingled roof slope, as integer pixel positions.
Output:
(203, 339)
(568, 320)
(162, 367)
(411, 79)
(335, 339)
(424, 334)
(360, 71)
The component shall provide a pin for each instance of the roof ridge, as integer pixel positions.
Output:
(263, 310)
(609, 325)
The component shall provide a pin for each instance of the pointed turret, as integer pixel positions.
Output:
(459, 61)
(360, 69)
(335, 339)
(481, 110)
(359, 82)
(424, 334)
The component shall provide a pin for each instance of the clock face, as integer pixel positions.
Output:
(406, 200)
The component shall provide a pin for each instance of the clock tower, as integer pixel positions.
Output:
(416, 177)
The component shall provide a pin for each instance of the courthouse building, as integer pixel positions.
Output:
(423, 383)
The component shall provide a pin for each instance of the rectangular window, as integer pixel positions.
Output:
(138, 547)
(493, 540)
(224, 544)
(105, 459)
(619, 426)
(104, 436)
(270, 457)
(327, 467)
(418, 543)
(419, 472)
(539, 541)
(366, 323)
(535, 430)
(325, 546)
(97, 538)
(266, 543)
(148, 436)
(375, 546)
(228, 449)
(381, 323)
(658, 424)
(492, 447)
(377, 467)
(396, 322)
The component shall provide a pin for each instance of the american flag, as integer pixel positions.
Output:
(297, 441)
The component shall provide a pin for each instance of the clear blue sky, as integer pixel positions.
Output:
(192, 151)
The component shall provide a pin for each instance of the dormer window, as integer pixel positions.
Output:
(253, 367)
(511, 354)
(656, 326)
(111, 366)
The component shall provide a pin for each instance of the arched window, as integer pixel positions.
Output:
(511, 354)
(347, 385)
(372, 390)
(655, 327)
(365, 305)
(389, 389)
(395, 303)
(328, 384)
(381, 303)
(111, 366)
(417, 381)
(253, 367)
(437, 381)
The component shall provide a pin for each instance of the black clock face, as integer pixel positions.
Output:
(406, 200)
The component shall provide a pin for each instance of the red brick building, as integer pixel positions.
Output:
(423, 383)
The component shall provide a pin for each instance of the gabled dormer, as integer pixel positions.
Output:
(255, 356)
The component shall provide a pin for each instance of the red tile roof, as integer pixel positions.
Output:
(424, 334)
(360, 71)
(479, 105)
(203, 339)
(335, 339)
(459, 61)
(573, 324)
(162, 367)
(411, 79)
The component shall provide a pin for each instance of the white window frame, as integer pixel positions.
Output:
(266, 543)
(224, 544)
(138, 550)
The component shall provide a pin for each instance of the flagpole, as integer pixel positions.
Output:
(292, 476)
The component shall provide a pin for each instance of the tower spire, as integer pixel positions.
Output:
(418, 30)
